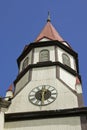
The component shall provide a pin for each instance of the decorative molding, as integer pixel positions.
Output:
(56, 59)
(57, 72)
(47, 43)
(56, 54)
(46, 64)
(77, 65)
(32, 59)
(30, 75)
(73, 112)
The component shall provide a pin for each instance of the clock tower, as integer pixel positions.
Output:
(47, 90)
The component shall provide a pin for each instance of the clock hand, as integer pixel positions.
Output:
(43, 95)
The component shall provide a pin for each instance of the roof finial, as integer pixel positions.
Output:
(48, 19)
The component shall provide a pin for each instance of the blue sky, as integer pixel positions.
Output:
(22, 20)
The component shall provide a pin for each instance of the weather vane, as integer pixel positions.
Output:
(48, 19)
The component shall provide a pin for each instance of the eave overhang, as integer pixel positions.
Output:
(63, 113)
(46, 64)
(43, 44)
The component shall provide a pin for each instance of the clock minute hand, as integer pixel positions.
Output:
(43, 93)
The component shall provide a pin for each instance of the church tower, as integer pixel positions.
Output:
(47, 90)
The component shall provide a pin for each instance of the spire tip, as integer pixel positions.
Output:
(48, 19)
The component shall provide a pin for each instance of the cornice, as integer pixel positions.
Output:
(63, 113)
(43, 44)
(46, 64)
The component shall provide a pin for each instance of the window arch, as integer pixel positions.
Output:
(25, 63)
(66, 59)
(44, 55)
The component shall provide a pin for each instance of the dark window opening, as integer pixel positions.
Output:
(44, 55)
(66, 60)
(25, 63)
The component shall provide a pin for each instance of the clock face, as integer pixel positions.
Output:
(43, 95)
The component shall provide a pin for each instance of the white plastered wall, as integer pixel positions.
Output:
(22, 82)
(1, 120)
(44, 39)
(44, 73)
(65, 98)
(68, 78)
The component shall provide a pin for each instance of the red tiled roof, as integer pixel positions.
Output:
(77, 81)
(49, 32)
(10, 88)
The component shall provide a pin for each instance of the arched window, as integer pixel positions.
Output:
(25, 63)
(66, 60)
(44, 55)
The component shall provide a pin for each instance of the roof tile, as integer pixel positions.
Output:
(49, 32)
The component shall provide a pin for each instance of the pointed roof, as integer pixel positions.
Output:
(10, 88)
(49, 32)
(77, 81)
